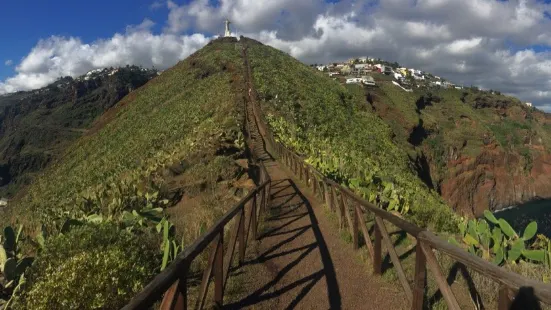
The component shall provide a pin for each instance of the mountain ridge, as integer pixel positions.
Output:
(36, 126)
(173, 152)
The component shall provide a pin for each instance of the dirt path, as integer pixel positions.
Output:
(303, 263)
(301, 260)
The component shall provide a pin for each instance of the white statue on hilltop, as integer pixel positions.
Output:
(228, 32)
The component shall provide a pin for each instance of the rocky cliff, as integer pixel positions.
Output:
(480, 150)
(36, 126)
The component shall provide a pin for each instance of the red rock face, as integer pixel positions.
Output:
(494, 180)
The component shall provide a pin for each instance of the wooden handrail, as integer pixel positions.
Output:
(172, 282)
(426, 240)
(502, 276)
(179, 267)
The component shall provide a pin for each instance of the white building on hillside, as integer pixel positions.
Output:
(528, 104)
(368, 80)
(353, 80)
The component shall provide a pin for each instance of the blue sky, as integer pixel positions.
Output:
(497, 44)
(24, 22)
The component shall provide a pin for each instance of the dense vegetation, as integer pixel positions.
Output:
(375, 142)
(162, 162)
(36, 126)
(158, 125)
(167, 160)
(100, 264)
(330, 125)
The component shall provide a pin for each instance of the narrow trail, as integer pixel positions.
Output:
(301, 260)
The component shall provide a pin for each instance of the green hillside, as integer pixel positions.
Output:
(36, 126)
(334, 127)
(169, 159)
(174, 144)
(187, 110)
(477, 150)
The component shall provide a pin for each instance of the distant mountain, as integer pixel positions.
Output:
(36, 126)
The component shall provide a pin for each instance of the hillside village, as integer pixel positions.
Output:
(366, 71)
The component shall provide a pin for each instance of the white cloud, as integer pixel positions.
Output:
(145, 26)
(486, 43)
(62, 56)
(464, 46)
(294, 17)
(8, 62)
(467, 42)
(157, 5)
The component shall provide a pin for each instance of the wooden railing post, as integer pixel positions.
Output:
(440, 279)
(355, 230)
(203, 288)
(253, 218)
(333, 198)
(367, 238)
(268, 190)
(504, 299)
(341, 211)
(182, 288)
(219, 271)
(377, 259)
(241, 232)
(314, 183)
(327, 195)
(307, 174)
(288, 159)
(420, 278)
(394, 257)
(301, 168)
(176, 296)
(262, 201)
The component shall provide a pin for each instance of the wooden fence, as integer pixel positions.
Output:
(351, 210)
(172, 282)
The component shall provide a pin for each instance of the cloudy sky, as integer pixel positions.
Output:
(502, 45)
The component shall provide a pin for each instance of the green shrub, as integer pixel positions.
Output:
(91, 267)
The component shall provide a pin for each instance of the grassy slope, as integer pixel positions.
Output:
(169, 120)
(38, 125)
(323, 119)
(190, 111)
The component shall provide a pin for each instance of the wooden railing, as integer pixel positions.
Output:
(352, 209)
(172, 282)
(171, 285)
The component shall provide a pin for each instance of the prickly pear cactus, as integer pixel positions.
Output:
(496, 241)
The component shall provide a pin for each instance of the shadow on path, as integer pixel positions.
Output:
(294, 252)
